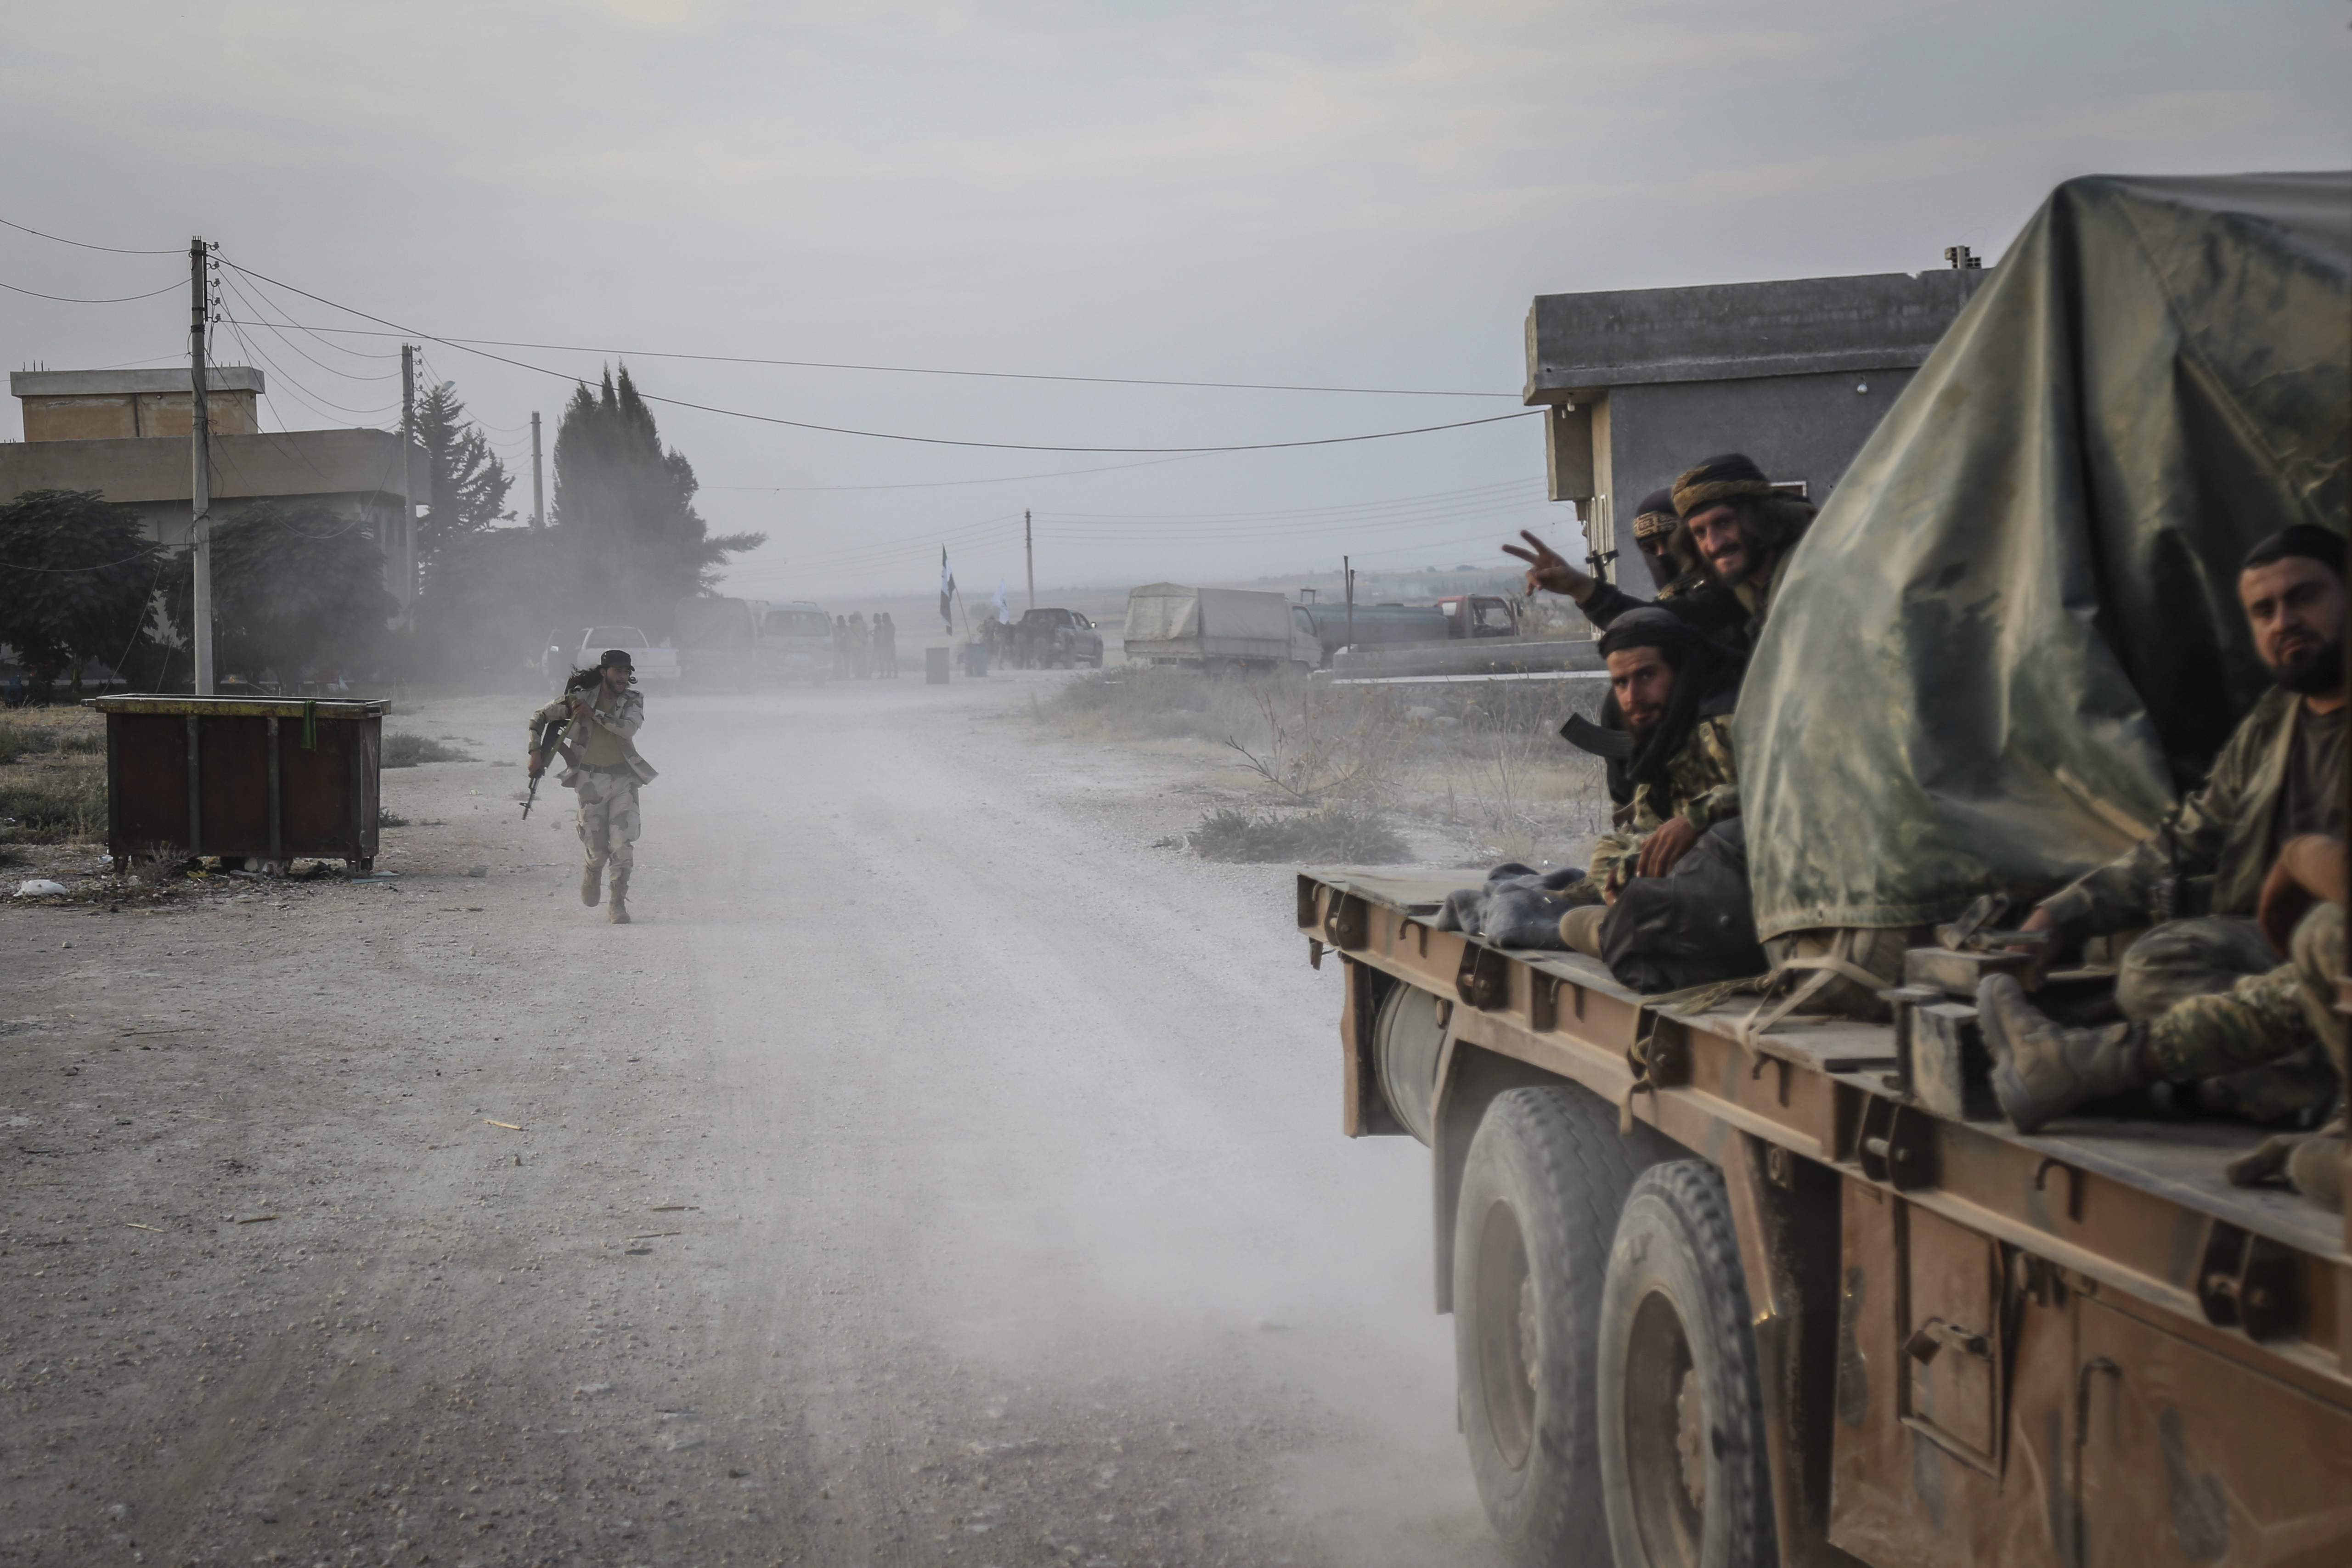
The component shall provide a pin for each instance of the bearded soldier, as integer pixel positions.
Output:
(1714, 544)
(600, 720)
(1674, 878)
(2205, 997)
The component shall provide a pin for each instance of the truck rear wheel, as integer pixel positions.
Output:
(1683, 1462)
(1540, 1193)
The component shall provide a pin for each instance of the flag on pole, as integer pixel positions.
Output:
(1004, 614)
(947, 591)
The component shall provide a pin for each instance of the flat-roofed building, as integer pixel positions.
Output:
(125, 434)
(1644, 382)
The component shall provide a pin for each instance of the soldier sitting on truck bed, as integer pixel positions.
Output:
(1675, 883)
(2205, 997)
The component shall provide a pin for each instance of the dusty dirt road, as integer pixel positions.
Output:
(936, 1172)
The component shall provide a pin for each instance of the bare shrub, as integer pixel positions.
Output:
(1324, 741)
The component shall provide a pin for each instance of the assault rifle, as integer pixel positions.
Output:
(549, 739)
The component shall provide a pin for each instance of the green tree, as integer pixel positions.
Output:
(468, 484)
(631, 540)
(76, 575)
(297, 586)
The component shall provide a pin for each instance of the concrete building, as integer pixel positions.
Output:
(125, 432)
(1644, 382)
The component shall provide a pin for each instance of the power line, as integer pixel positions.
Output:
(950, 484)
(289, 342)
(894, 436)
(85, 244)
(913, 370)
(70, 299)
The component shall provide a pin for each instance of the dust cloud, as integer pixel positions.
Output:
(938, 1171)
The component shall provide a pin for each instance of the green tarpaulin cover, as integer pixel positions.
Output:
(2012, 637)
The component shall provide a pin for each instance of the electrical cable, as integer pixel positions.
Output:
(289, 342)
(101, 566)
(70, 299)
(907, 369)
(894, 436)
(952, 484)
(286, 319)
(85, 244)
(298, 389)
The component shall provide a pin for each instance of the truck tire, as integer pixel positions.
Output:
(1685, 1472)
(1546, 1177)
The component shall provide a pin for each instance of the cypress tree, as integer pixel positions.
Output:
(626, 524)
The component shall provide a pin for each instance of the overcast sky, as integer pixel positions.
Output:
(1347, 195)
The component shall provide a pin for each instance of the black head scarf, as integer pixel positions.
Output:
(1707, 684)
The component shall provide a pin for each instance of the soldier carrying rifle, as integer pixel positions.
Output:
(592, 726)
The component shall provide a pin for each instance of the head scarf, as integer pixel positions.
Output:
(1718, 480)
(2307, 540)
(1654, 519)
(1706, 683)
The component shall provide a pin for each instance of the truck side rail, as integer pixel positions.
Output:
(2139, 1211)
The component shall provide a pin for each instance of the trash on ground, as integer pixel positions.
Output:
(39, 887)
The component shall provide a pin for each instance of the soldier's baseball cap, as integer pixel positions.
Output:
(616, 658)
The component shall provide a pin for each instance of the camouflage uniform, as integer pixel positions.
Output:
(2217, 1003)
(607, 777)
(1704, 790)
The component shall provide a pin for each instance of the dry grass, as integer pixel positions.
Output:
(1483, 762)
(52, 806)
(406, 751)
(1331, 835)
(52, 775)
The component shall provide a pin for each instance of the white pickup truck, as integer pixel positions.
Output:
(580, 648)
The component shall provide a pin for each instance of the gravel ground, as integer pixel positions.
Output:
(937, 1172)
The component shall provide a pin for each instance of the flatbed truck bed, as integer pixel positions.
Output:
(1967, 1345)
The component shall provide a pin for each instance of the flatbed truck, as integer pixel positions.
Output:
(1724, 1295)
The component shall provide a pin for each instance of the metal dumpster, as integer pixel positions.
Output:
(265, 778)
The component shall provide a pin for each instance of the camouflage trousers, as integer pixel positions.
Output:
(608, 820)
(2223, 1010)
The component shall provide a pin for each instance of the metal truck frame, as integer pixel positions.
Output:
(1961, 1344)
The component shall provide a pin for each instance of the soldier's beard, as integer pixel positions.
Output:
(2314, 671)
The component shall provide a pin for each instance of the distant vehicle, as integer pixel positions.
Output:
(1455, 618)
(1478, 615)
(1223, 630)
(580, 648)
(1055, 640)
(796, 642)
(751, 642)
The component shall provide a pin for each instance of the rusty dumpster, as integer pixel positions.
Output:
(260, 778)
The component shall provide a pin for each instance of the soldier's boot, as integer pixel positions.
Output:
(2043, 1069)
(619, 913)
(591, 881)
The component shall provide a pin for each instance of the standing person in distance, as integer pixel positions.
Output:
(600, 723)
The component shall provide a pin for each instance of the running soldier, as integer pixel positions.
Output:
(598, 745)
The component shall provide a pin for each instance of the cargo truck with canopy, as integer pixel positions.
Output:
(1731, 1286)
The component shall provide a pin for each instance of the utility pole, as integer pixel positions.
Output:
(1348, 574)
(537, 487)
(407, 481)
(1029, 552)
(200, 457)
